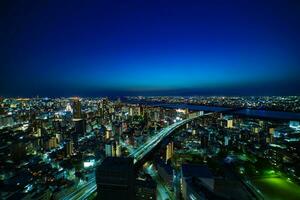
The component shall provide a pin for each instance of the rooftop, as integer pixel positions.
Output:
(116, 163)
(193, 170)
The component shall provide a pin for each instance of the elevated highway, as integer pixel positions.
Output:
(138, 154)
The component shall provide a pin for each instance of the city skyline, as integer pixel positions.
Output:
(150, 100)
(146, 148)
(150, 48)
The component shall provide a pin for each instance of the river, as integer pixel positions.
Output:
(243, 112)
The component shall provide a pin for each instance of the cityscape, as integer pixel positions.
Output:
(150, 100)
(84, 148)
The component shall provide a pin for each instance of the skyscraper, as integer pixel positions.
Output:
(115, 179)
(76, 108)
(69, 148)
(118, 150)
(169, 151)
(108, 149)
(80, 126)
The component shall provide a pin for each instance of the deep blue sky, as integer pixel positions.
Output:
(90, 48)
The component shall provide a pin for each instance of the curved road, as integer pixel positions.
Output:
(90, 187)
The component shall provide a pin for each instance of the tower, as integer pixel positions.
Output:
(69, 148)
(169, 151)
(76, 108)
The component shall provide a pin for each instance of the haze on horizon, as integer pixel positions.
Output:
(209, 47)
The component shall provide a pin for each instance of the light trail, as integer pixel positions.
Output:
(81, 192)
(139, 153)
(90, 187)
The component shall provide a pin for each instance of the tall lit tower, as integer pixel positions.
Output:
(169, 151)
(76, 108)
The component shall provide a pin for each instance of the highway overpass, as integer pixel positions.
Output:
(138, 154)
(143, 150)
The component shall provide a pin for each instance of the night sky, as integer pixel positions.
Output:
(94, 48)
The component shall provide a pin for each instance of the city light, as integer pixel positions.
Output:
(150, 100)
(88, 164)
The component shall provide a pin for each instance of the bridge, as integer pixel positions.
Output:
(138, 154)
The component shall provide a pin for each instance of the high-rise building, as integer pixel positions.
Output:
(108, 134)
(69, 148)
(18, 151)
(100, 109)
(80, 126)
(130, 111)
(113, 150)
(52, 143)
(58, 137)
(108, 150)
(76, 108)
(118, 150)
(115, 179)
(169, 151)
(229, 121)
(136, 111)
(271, 135)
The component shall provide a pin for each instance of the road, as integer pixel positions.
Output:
(90, 187)
(83, 191)
(143, 150)
(163, 192)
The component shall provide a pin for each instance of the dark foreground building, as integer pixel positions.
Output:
(115, 179)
